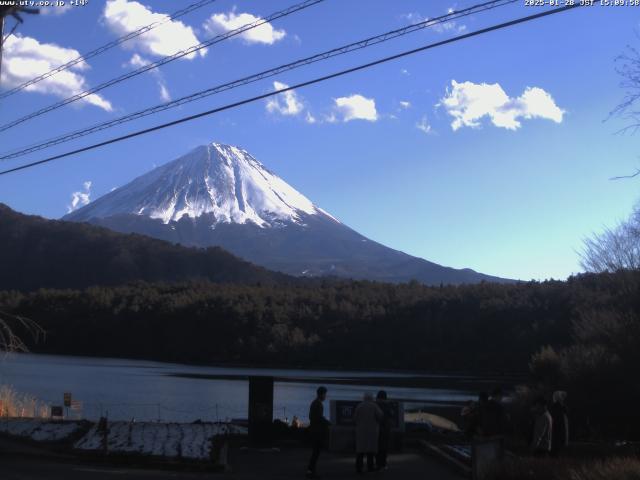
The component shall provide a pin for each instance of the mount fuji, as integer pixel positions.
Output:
(219, 195)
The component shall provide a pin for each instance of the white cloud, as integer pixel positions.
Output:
(405, 104)
(165, 96)
(331, 118)
(55, 10)
(424, 126)
(356, 107)
(286, 103)
(124, 16)
(137, 61)
(80, 198)
(442, 27)
(451, 26)
(344, 109)
(413, 17)
(225, 22)
(25, 58)
(469, 102)
(404, 71)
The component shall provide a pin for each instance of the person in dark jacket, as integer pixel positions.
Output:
(477, 423)
(385, 430)
(318, 429)
(469, 414)
(492, 415)
(558, 411)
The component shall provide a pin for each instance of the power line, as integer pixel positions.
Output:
(163, 61)
(104, 48)
(299, 85)
(11, 32)
(258, 76)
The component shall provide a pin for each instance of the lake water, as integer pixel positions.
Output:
(144, 390)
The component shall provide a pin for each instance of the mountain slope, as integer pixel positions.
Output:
(39, 253)
(219, 195)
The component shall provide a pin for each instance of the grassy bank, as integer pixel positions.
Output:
(16, 404)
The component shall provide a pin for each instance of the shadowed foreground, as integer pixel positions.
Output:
(291, 463)
(19, 461)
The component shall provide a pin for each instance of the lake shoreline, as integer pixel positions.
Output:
(507, 376)
(465, 383)
(151, 390)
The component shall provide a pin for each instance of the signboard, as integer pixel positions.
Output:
(76, 405)
(57, 411)
(67, 400)
(343, 412)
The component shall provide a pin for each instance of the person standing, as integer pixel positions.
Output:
(385, 430)
(542, 429)
(560, 437)
(367, 418)
(493, 416)
(469, 414)
(318, 429)
(481, 415)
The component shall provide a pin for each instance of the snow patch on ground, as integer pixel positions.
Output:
(38, 430)
(170, 440)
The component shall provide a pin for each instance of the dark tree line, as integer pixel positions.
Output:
(600, 367)
(484, 327)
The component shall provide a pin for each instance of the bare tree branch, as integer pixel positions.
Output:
(615, 249)
(628, 67)
(633, 175)
(9, 340)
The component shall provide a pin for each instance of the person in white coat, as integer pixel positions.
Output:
(542, 430)
(367, 417)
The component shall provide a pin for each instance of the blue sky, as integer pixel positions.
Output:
(492, 153)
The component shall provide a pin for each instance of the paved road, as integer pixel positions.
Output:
(291, 463)
(35, 469)
(20, 461)
(261, 465)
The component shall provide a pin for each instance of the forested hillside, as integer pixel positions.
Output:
(37, 253)
(487, 327)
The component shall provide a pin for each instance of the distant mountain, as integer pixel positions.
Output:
(39, 253)
(219, 195)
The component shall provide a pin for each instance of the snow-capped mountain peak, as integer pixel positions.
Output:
(221, 180)
(220, 196)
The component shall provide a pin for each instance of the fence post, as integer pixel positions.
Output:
(103, 428)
